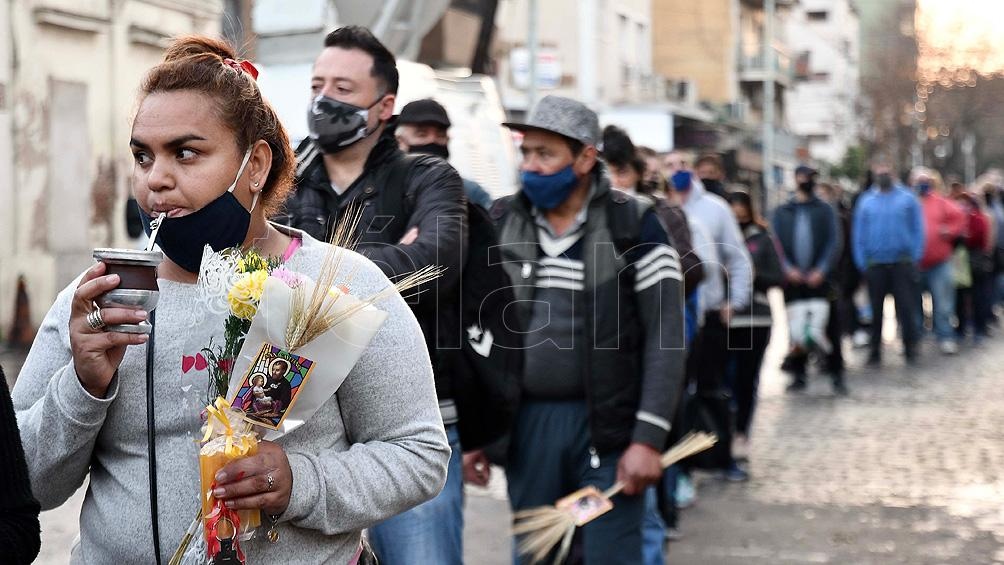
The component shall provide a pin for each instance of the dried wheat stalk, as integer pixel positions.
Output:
(544, 528)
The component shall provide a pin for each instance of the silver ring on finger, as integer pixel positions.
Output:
(271, 482)
(94, 320)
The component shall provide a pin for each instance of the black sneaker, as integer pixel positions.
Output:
(736, 474)
(840, 389)
(798, 385)
(788, 364)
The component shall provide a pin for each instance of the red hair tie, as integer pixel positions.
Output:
(244, 66)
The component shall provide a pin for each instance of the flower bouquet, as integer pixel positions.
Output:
(283, 332)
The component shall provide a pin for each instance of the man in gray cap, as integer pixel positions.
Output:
(601, 378)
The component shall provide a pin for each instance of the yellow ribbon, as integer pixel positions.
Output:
(218, 411)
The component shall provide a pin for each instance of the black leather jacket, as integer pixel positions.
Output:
(433, 202)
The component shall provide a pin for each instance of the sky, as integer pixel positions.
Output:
(960, 34)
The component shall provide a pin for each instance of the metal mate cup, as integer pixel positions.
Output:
(137, 271)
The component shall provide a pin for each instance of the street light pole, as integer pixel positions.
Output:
(588, 59)
(919, 136)
(532, 41)
(969, 154)
(768, 104)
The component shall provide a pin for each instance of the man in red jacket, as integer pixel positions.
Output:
(944, 223)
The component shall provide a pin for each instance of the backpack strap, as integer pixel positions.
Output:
(500, 208)
(624, 216)
(394, 197)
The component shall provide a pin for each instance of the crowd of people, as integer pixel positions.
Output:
(639, 283)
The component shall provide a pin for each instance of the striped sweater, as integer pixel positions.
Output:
(604, 323)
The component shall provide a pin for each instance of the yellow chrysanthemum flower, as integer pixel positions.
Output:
(246, 292)
(250, 262)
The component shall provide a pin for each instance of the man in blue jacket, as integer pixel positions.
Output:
(888, 241)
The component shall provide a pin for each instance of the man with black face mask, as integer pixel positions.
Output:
(711, 171)
(888, 243)
(809, 235)
(423, 127)
(414, 213)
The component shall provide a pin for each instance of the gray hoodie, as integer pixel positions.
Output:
(373, 450)
(728, 270)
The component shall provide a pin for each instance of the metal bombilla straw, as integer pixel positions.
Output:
(150, 414)
(155, 229)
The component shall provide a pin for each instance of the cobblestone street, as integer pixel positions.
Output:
(905, 470)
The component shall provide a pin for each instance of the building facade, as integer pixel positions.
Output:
(824, 103)
(596, 51)
(69, 74)
(696, 42)
(717, 49)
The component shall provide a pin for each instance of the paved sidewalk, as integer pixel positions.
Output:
(905, 470)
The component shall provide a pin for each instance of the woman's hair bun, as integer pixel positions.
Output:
(186, 46)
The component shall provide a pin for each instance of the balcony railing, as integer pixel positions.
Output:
(753, 66)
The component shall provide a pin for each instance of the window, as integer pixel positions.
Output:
(802, 65)
(642, 59)
(817, 16)
(624, 48)
(623, 37)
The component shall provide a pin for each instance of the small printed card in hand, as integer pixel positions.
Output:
(585, 505)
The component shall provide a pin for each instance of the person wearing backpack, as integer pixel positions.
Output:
(627, 169)
(630, 172)
(413, 213)
(600, 292)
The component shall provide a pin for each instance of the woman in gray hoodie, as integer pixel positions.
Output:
(375, 449)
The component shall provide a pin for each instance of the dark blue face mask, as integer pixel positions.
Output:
(547, 192)
(222, 223)
(923, 188)
(681, 181)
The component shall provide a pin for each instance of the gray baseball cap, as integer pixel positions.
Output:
(563, 116)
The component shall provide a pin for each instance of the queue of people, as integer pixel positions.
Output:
(641, 288)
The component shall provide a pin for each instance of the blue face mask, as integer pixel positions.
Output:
(681, 180)
(923, 188)
(547, 192)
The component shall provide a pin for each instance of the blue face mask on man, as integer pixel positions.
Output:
(681, 180)
(547, 192)
(923, 188)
